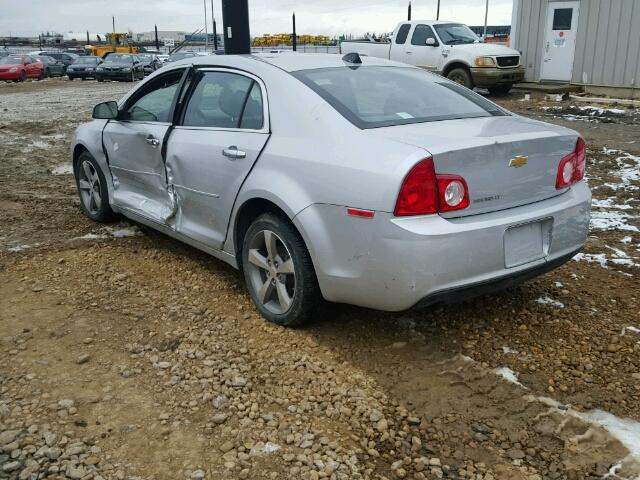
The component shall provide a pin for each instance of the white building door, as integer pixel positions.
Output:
(560, 40)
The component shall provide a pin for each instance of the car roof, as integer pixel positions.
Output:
(290, 61)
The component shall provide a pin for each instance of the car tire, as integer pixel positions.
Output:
(47, 73)
(23, 76)
(40, 76)
(92, 189)
(100, 79)
(461, 76)
(500, 89)
(71, 78)
(278, 271)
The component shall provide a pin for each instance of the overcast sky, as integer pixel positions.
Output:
(329, 17)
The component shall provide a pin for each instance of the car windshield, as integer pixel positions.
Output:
(119, 59)
(45, 59)
(10, 60)
(371, 97)
(455, 34)
(86, 60)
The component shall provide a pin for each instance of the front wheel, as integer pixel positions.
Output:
(71, 78)
(23, 76)
(92, 189)
(278, 271)
(100, 79)
(500, 89)
(461, 76)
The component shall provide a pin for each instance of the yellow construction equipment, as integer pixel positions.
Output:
(285, 39)
(117, 43)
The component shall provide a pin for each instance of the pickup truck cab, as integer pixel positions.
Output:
(450, 49)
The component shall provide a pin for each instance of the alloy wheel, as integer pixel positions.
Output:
(89, 185)
(271, 272)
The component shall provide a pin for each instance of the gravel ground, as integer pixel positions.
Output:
(125, 354)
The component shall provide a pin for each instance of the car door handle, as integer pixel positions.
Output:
(153, 141)
(233, 153)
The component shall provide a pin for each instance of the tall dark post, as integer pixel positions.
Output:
(294, 38)
(235, 17)
(157, 41)
(438, 11)
(88, 41)
(113, 23)
(409, 12)
(213, 24)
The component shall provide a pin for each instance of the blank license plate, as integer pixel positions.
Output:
(526, 243)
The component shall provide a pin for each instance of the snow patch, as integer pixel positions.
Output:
(265, 449)
(64, 169)
(612, 221)
(629, 329)
(546, 300)
(506, 350)
(509, 375)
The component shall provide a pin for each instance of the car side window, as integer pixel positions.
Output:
(403, 33)
(154, 104)
(219, 99)
(252, 116)
(421, 34)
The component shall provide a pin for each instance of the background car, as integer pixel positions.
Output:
(181, 56)
(84, 67)
(64, 57)
(20, 67)
(150, 62)
(382, 185)
(163, 58)
(120, 66)
(52, 67)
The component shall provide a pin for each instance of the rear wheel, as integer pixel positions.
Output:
(23, 76)
(47, 72)
(461, 76)
(500, 89)
(278, 271)
(41, 75)
(100, 79)
(71, 78)
(92, 189)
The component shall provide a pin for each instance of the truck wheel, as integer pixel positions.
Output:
(461, 76)
(500, 89)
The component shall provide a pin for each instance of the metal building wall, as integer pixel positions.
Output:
(607, 46)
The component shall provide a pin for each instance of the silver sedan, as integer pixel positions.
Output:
(352, 180)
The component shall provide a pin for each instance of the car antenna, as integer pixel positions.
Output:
(352, 57)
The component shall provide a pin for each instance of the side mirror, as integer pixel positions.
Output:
(106, 111)
(431, 42)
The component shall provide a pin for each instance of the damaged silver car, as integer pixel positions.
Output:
(348, 179)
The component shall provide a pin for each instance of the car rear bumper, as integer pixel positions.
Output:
(489, 77)
(394, 263)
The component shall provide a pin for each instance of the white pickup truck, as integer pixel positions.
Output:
(450, 49)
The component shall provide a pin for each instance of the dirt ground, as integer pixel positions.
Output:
(127, 355)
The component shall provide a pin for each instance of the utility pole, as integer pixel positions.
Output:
(215, 34)
(88, 41)
(235, 18)
(438, 11)
(294, 38)
(113, 23)
(206, 32)
(486, 15)
(157, 41)
(409, 12)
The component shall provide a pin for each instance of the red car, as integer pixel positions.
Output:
(20, 67)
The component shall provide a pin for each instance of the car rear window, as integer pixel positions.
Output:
(376, 96)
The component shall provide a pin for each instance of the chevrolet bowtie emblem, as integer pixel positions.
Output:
(519, 161)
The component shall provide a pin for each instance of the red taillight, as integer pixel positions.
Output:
(423, 192)
(571, 168)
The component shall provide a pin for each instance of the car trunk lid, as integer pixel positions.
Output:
(507, 161)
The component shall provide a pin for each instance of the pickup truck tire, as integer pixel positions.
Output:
(500, 89)
(462, 76)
